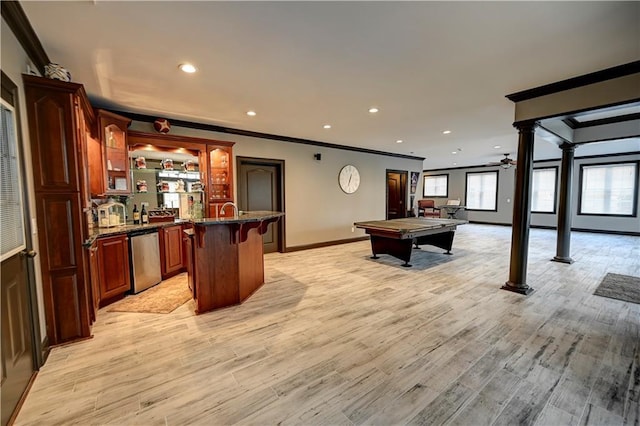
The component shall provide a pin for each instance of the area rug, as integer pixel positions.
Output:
(622, 287)
(159, 299)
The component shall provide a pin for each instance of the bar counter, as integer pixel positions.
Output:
(225, 258)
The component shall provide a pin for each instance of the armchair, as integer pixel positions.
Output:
(427, 208)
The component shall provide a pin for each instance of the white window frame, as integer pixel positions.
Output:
(495, 189)
(13, 162)
(438, 194)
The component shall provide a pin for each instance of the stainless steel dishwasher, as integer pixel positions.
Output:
(145, 259)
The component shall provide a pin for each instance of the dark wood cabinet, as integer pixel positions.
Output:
(187, 239)
(220, 174)
(112, 129)
(113, 268)
(94, 279)
(171, 251)
(60, 121)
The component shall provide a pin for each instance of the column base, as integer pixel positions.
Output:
(562, 259)
(520, 290)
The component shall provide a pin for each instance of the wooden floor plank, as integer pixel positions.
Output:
(334, 337)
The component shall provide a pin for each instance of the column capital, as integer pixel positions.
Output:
(526, 126)
(566, 146)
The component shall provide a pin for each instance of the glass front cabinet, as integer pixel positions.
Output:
(113, 133)
(220, 179)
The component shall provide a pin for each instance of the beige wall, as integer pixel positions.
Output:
(14, 62)
(316, 208)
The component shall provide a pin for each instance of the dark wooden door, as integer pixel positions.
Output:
(396, 194)
(259, 188)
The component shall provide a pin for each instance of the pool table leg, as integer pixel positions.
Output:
(400, 249)
(443, 240)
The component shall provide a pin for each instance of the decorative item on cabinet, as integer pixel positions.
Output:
(57, 72)
(111, 214)
(141, 185)
(141, 163)
(189, 166)
(167, 164)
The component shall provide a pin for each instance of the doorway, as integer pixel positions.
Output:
(261, 187)
(20, 342)
(396, 194)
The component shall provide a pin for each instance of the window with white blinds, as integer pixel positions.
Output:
(543, 190)
(482, 191)
(436, 186)
(11, 211)
(609, 189)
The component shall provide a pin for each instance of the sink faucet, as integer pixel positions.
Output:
(235, 208)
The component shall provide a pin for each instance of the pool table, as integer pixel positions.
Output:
(396, 237)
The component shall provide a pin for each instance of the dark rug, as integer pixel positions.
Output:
(622, 287)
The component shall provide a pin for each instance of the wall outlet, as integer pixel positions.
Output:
(508, 200)
(353, 229)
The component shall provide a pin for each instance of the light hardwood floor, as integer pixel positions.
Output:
(334, 337)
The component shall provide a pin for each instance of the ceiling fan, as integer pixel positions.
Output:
(505, 163)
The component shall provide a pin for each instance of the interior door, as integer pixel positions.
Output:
(259, 188)
(17, 366)
(396, 194)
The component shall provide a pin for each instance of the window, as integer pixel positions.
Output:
(609, 189)
(482, 191)
(543, 198)
(11, 220)
(436, 186)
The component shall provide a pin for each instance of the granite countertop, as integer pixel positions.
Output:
(249, 216)
(125, 229)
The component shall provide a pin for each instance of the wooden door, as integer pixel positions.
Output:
(396, 194)
(259, 188)
(20, 339)
(17, 350)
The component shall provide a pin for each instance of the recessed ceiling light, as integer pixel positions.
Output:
(188, 68)
(399, 141)
(455, 164)
(251, 113)
(446, 132)
(497, 147)
(373, 110)
(454, 152)
(327, 126)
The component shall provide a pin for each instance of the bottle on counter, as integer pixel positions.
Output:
(144, 215)
(136, 215)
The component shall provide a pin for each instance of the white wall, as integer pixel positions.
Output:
(316, 208)
(14, 62)
(506, 187)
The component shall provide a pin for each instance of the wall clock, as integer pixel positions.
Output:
(349, 179)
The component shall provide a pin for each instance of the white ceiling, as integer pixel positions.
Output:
(428, 66)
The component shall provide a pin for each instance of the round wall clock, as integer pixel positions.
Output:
(349, 179)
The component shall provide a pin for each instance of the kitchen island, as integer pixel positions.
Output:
(225, 258)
